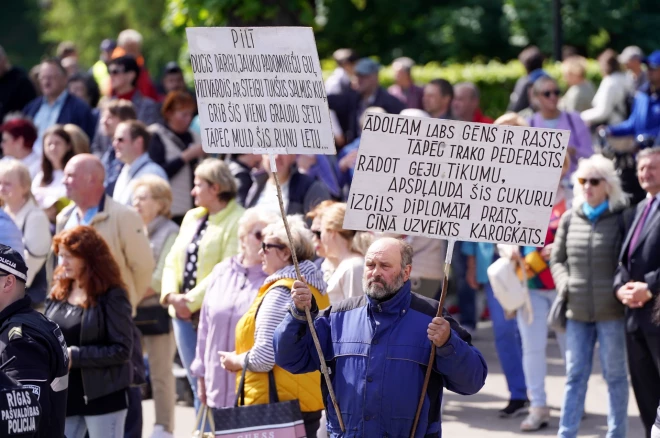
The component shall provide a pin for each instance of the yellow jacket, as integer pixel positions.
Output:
(306, 388)
(219, 242)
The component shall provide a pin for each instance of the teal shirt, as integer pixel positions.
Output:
(484, 254)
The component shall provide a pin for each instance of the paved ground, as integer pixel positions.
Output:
(475, 416)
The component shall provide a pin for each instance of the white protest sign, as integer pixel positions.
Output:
(260, 90)
(455, 180)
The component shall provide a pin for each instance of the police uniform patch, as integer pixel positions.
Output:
(34, 388)
(15, 333)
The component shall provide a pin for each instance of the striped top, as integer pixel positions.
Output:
(273, 309)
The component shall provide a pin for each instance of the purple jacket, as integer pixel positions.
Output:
(580, 136)
(231, 291)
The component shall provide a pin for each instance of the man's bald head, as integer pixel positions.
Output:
(387, 267)
(83, 178)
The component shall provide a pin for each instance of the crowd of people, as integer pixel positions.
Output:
(121, 230)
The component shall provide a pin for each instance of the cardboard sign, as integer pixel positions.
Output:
(260, 90)
(455, 180)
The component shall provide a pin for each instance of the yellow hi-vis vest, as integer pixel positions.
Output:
(306, 388)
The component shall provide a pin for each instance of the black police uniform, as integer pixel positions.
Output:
(19, 409)
(41, 361)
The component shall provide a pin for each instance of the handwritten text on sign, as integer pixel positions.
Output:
(260, 88)
(455, 180)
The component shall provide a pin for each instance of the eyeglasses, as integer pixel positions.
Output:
(317, 233)
(549, 93)
(115, 71)
(592, 181)
(265, 247)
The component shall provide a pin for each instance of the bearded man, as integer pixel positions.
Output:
(377, 348)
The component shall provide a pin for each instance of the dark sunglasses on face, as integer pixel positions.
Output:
(258, 235)
(115, 71)
(317, 233)
(265, 247)
(592, 181)
(549, 93)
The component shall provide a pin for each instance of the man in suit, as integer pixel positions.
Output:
(637, 283)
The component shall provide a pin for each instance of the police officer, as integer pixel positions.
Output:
(19, 409)
(41, 361)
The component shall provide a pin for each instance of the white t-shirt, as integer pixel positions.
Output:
(268, 199)
(346, 281)
(48, 195)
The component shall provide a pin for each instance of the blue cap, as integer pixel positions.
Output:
(366, 66)
(653, 60)
(537, 74)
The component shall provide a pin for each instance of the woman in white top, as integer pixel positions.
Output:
(609, 104)
(344, 252)
(48, 186)
(31, 220)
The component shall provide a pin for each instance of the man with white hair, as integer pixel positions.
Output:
(632, 58)
(377, 348)
(129, 42)
(404, 88)
(16, 89)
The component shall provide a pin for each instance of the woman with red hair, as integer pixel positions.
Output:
(89, 303)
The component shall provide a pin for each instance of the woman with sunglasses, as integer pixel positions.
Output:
(233, 285)
(546, 93)
(584, 260)
(254, 331)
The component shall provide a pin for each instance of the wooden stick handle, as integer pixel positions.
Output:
(308, 315)
(429, 368)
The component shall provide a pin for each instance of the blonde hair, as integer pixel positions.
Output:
(79, 140)
(128, 36)
(602, 168)
(253, 216)
(319, 209)
(333, 220)
(217, 172)
(575, 65)
(159, 190)
(511, 119)
(15, 167)
(301, 236)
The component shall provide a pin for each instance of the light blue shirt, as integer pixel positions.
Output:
(143, 165)
(46, 117)
(484, 253)
(75, 219)
(10, 235)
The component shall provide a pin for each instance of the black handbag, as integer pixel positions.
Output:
(281, 419)
(152, 320)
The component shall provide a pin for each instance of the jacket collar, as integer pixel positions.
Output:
(217, 218)
(19, 306)
(395, 305)
(155, 224)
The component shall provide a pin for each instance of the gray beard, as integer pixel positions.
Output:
(387, 291)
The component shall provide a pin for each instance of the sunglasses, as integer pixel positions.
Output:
(317, 233)
(592, 181)
(115, 71)
(551, 93)
(258, 235)
(265, 247)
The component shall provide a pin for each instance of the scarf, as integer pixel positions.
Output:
(593, 213)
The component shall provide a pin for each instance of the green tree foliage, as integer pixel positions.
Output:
(453, 30)
(591, 26)
(88, 22)
(19, 32)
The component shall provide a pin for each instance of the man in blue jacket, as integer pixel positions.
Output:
(57, 105)
(377, 348)
(645, 116)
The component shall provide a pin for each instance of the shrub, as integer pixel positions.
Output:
(494, 79)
